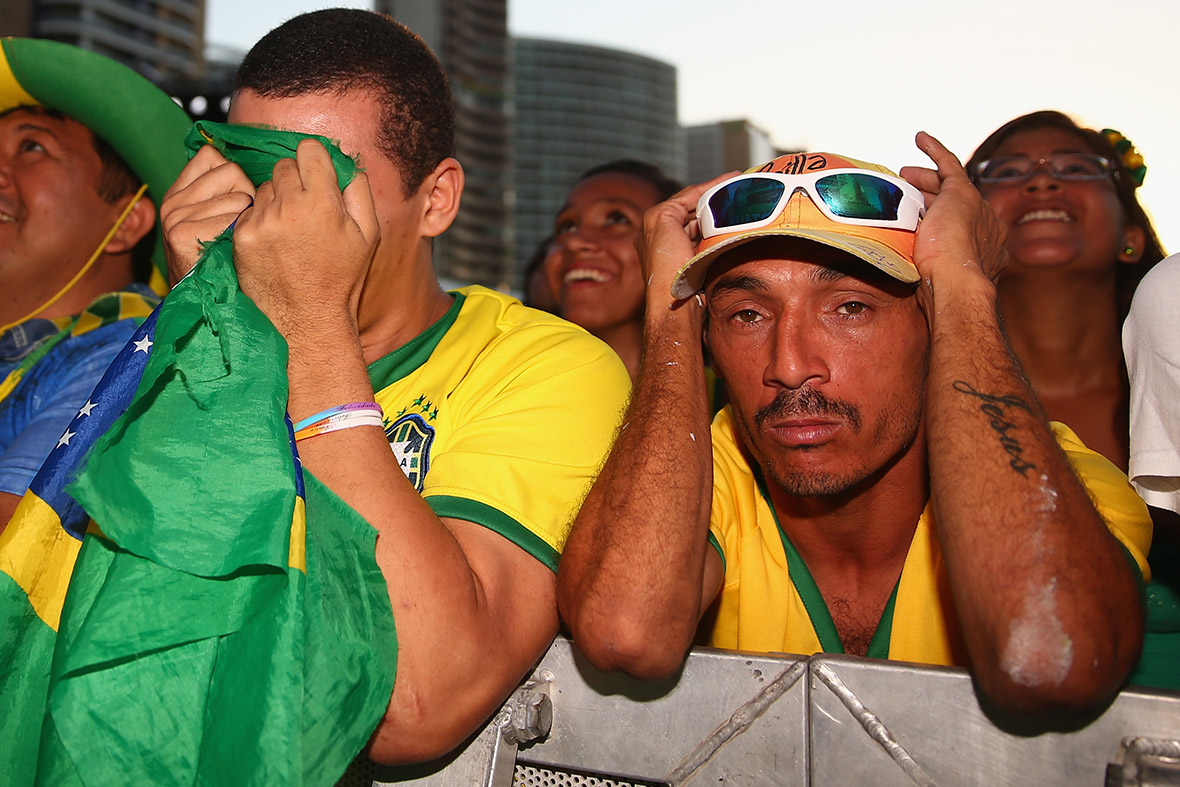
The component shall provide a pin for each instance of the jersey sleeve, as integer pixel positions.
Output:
(38, 410)
(539, 413)
(1121, 508)
(1151, 345)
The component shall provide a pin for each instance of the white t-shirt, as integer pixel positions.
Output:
(1151, 345)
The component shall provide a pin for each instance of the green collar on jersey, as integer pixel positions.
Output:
(385, 371)
(813, 599)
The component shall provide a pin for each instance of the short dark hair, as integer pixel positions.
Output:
(665, 186)
(116, 179)
(1127, 277)
(338, 50)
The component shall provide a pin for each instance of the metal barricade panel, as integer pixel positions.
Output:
(739, 719)
(536, 776)
(726, 719)
(887, 723)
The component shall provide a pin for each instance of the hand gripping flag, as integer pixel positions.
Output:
(226, 621)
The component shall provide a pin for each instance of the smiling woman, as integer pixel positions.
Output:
(1079, 243)
(595, 273)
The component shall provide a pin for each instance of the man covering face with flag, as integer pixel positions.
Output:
(233, 605)
(462, 426)
(249, 645)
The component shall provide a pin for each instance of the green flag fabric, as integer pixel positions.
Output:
(226, 621)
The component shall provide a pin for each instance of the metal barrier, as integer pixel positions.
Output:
(737, 719)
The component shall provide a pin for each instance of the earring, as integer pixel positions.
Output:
(1129, 250)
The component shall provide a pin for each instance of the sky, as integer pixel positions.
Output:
(860, 77)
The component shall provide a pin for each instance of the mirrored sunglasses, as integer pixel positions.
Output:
(846, 196)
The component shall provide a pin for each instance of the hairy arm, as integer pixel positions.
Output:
(637, 571)
(473, 611)
(1047, 602)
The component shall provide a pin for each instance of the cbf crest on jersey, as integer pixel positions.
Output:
(410, 438)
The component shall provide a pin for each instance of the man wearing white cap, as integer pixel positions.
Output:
(884, 482)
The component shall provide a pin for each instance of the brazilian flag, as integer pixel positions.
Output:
(225, 621)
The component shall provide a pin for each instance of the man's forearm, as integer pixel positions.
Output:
(631, 573)
(1047, 604)
(436, 575)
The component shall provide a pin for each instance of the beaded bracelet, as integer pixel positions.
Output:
(338, 422)
(331, 411)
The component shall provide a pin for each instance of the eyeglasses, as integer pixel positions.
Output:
(1063, 166)
(846, 196)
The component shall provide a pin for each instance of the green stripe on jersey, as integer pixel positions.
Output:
(496, 520)
(813, 599)
(404, 360)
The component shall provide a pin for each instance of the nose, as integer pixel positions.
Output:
(1042, 178)
(798, 356)
(577, 239)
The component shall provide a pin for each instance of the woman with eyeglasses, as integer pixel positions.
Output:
(1079, 242)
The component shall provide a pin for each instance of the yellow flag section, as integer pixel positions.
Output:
(297, 551)
(38, 555)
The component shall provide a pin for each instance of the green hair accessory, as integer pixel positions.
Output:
(1132, 159)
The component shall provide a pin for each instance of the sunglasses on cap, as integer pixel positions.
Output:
(1063, 166)
(846, 196)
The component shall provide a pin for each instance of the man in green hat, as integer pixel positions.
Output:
(87, 149)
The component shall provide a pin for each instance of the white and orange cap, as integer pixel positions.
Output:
(888, 249)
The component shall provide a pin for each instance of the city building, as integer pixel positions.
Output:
(470, 38)
(714, 148)
(161, 39)
(578, 106)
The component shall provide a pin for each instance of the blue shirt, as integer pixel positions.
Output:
(34, 416)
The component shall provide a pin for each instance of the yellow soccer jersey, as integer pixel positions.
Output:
(502, 415)
(770, 603)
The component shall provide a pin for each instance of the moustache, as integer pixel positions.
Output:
(808, 402)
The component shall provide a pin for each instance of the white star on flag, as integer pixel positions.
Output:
(86, 408)
(143, 345)
(65, 438)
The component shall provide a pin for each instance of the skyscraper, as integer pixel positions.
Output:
(161, 39)
(714, 148)
(578, 106)
(470, 38)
